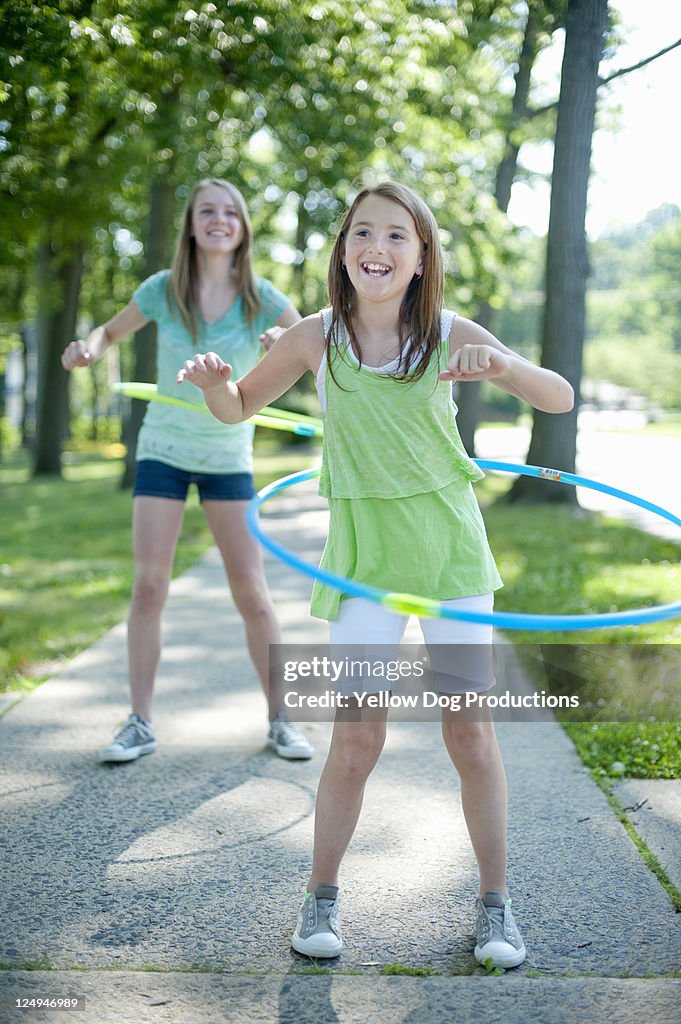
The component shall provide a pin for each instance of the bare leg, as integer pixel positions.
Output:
(355, 745)
(472, 746)
(156, 524)
(354, 751)
(244, 567)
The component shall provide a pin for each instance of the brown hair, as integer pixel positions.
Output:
(421, 309)
(183, 284)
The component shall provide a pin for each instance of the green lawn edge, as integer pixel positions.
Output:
(59, 596)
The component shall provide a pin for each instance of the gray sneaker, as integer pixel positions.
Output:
(288, 741)
(318, 931)
(496, 933)
(134, 739)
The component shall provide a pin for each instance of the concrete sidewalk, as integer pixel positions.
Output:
(167, 889)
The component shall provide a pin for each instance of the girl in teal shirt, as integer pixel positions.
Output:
(403, 516)
(210, 297)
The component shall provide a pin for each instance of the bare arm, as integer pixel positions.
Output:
(475, 354)
(87, 352)
(299, 349)
(288, 318)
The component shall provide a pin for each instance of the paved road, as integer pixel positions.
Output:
(166, 890)
(644, 465)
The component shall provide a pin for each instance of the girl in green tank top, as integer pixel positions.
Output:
(403, 515)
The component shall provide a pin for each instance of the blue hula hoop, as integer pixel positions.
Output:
(412, 604)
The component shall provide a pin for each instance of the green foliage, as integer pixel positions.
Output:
(633, 306)
(518, 320)
(9, 342)
(645, 750)
(10, 437)
(646, 364)
(615, 682)
(636, 280)
(59, 595)
(66, 566)
(403, 970)
(620, 255)
(310, 94)
(296, 102)
(599, 565)
(103, 430)
(665, 279)
(634, 311)
(491, 969)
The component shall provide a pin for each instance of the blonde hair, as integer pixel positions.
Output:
(183, 284)
(421, 309)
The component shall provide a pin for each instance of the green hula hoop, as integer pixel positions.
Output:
(271, 417)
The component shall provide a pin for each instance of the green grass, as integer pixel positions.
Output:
(639, 750)
(664, 428)
(404, 970)
(66, 566)
(668, 426)
(66, 573)
(562, 560)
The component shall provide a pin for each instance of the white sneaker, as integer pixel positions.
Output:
(318, 930)
(134, 739)
(496, 933)
(288, 741)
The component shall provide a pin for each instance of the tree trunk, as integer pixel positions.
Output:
(467, 399)
(554, 438)
(3, 409)
(30, 361)
(468, 394)
(157, 252)
(298, 275)
(59, 289)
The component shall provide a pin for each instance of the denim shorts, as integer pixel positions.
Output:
(158, 480)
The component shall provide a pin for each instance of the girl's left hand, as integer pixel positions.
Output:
(268, 337)
(476, 362)
(207, 371)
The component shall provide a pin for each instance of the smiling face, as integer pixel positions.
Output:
(216, 224)
(382, 250)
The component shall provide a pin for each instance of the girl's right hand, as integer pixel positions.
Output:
(76, 354)
(206, 371)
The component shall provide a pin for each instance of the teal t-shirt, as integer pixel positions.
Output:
(196, 441)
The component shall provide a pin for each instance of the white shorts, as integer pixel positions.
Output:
(375, 632)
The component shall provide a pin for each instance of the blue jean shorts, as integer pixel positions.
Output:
(158, 480)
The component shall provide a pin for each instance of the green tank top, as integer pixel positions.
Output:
(388, 438)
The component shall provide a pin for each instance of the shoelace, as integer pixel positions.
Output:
(286, 732)
(130, 733)
(319, 912)
(499, 929)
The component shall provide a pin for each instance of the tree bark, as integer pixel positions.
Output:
(29, 359)
(157, 255)
(59, 289)
(298, 275)
(554, 438)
